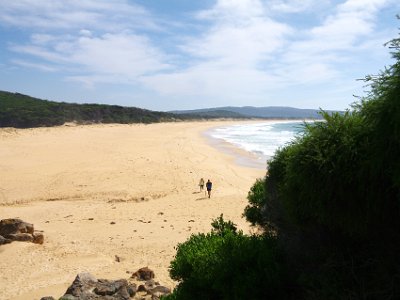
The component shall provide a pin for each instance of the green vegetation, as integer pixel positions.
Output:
(226, 264)
(271, 112)
(330, 210)
(21, 111)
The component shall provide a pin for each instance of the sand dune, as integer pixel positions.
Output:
(73, 182)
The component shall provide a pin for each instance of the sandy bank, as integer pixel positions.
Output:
(73, 182)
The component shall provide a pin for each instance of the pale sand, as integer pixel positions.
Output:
(142, 177)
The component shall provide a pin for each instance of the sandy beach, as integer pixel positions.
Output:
(74, 182)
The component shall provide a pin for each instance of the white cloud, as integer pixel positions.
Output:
(85, 32)
(233, 10)
(237, 45)
(54, 15)
(91, 40)
(245, 54)
(113, 55)
(353, 19)
(238, 49)
(129, 55)
(294, 6)
(41, 39)
(320, 53)
(228, 56)
(39, 52)
(207, 80)
(40, 67)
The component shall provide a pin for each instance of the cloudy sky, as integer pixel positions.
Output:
(186, 54)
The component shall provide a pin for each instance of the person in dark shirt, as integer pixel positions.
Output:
(209, 187)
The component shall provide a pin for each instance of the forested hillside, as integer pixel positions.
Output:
(270, 112)
(21, 111)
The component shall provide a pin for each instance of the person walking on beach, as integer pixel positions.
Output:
(209, 187)
(201, 184)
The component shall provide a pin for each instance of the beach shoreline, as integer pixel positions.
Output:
(240, 156)
(253, 143)
(101, 191)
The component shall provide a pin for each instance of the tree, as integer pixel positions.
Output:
(333, 197)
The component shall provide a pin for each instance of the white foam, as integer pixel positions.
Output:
(261, 138)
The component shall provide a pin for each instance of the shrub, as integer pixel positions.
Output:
(224, 264)
(333, 197)
(221, 227)
(256, 197)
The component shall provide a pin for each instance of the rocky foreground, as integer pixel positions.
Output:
(141, 285)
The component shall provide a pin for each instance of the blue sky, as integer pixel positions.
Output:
(182, 54)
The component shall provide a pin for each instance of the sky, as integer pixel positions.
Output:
(188, 54)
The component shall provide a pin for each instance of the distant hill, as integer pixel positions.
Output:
(21, 111)
(271, 112)
(210, 113)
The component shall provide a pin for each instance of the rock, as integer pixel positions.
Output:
(81, 282)
(154, 289)
(18, 230)
(38, 238)
(108, 288)
(141, 288)
(47, 298)
(13, 226)
(160, 290)
(146, 297)
(3, 240)
(131, 289)
(20, 237)
(87, 287)
(68, 297)
(143, 274)
(150, 284)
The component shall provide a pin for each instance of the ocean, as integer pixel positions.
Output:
(261, 140)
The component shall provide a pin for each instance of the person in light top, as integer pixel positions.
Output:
(201, 184)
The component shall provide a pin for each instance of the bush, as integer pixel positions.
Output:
(224, 264)
(333, 197)
(221, 227)
(256, 197)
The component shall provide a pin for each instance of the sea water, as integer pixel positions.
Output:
(259, 139)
